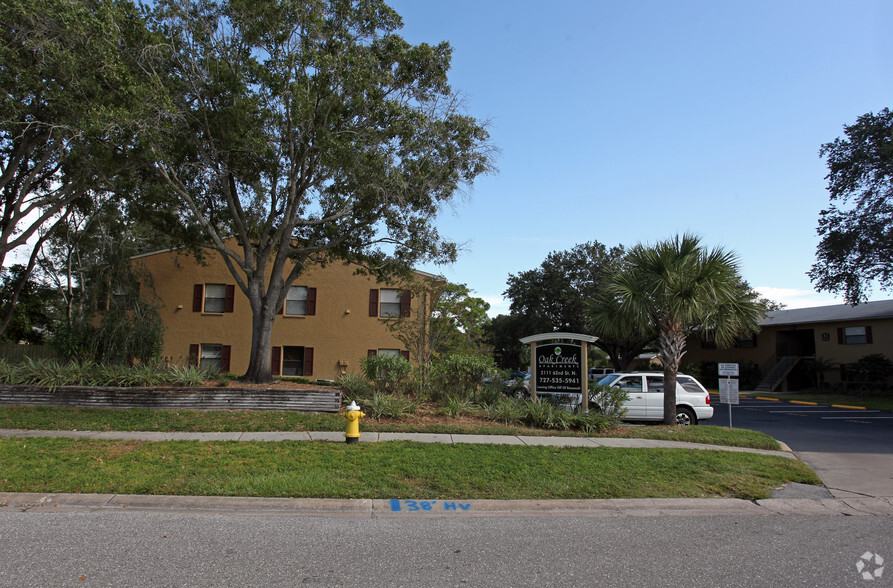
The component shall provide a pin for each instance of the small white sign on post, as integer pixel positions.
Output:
(728, 370)
(728, 391)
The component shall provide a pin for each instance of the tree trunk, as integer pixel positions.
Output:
(260, 369)
(671, 350)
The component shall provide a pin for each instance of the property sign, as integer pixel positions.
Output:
(728, 391)
(559, 368)
(728, 369)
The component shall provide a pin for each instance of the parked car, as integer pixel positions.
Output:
(646, 397)
(597, 373)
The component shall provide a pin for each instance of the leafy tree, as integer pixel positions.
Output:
(856, 248)
(109, 312)
(504, 334)
(555, 296)
(677, 287)
(32, 316)
(69, 96)
(310, 132)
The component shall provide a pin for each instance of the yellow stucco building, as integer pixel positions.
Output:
(840, 334)
(331, 319)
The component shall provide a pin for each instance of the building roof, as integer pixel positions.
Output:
(829, 314)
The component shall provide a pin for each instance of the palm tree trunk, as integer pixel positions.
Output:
(671, 348)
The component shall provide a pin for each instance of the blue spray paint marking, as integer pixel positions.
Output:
(426, 505)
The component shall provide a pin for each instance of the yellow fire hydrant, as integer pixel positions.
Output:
(353, 414)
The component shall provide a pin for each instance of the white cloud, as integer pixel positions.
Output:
(797, 298)
(498, 305)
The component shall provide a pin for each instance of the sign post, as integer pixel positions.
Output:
(728, 388)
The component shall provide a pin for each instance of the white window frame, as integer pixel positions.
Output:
(210, 355)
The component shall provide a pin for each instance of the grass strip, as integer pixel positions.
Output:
(387, 470)
(870, 401)
(65, 418)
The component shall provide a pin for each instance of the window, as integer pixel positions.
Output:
(214, 356)
(213, 298)
(292, 361)
(118, 299)
(401, 352)
(854, 335)
(746, 341)
(655, 383)
(389, 303)
(630, 383)
(300, 301)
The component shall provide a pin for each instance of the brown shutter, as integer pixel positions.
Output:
(840, 335)
(276, 361)
(225, 352)
(868, 335)
(311, 301)
(193, 355)
(308, 361)
(230, 298)
(198, 293)
(405, 302)
(373, 302)
(372, 352)
(404, 353)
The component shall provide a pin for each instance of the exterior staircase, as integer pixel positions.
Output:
(777, 374)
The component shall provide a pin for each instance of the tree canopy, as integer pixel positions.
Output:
(554, 297)
(856, 247)
(675, 288)
(71, 96)
(310, 132)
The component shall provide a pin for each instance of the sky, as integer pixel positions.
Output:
(633, 121)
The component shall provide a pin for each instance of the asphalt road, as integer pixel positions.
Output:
(812, 428)
(194, 549)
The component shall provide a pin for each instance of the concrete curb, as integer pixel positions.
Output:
(398, 508)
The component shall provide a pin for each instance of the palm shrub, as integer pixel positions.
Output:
(456, 406)
(873, 369)
(506, 410)
(354, 387)
(389, 406)
(389, 374)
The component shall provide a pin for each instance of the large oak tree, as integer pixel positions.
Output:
(857, 228)
(302, 132)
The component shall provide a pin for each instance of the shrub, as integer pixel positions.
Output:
(381, 406)
(506, 410)
(873, 369)
(462, 376)
(389, 374)
(354, 387)
(608, 401)
(456, 406)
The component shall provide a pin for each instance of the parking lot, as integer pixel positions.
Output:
(851, 450)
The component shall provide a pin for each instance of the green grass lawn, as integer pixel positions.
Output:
(140, 419)
(387, 470)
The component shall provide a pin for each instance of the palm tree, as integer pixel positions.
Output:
(671, 290)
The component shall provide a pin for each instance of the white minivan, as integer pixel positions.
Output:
(646, 397)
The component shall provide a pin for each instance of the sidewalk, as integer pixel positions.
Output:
(373, 437)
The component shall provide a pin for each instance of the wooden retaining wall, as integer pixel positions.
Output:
(304, 400)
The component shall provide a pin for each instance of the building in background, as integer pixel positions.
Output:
(791, 342)
(331, 319)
